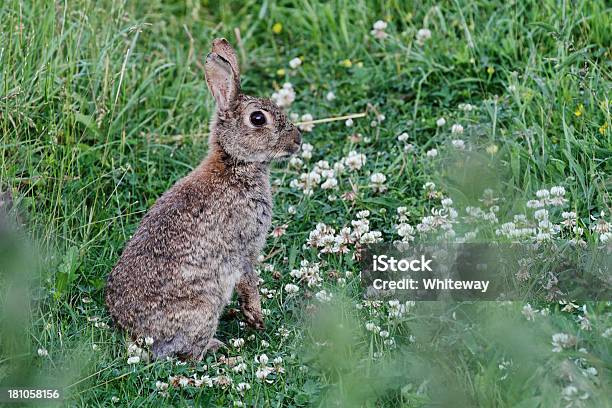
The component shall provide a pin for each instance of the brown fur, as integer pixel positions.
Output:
(203, 236)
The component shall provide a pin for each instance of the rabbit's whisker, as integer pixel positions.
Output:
(332, 119)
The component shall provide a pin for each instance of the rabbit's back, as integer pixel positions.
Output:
(190, 250)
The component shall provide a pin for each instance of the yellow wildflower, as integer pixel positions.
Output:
(579, 110)
(603, 128)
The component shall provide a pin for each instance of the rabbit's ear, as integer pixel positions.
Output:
(222, 47)
(222, 80)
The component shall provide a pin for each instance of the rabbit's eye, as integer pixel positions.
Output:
(258, 118)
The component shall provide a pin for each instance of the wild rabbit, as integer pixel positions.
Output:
(202, 237)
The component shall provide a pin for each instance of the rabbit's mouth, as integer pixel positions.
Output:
(293, 149)
(296, 147)
(287, 152)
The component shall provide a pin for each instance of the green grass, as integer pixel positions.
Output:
(103, 106)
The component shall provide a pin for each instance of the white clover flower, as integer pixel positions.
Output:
(423, 35)
(405, 231)
(307, 182)
(370, 326)
(557, 196)
(160, 385)
(294, 117)
(402, 213)
(457, 129)
(222, 381)
(330, 183)
(529, 312)
(285, 96)
(543, 194)
(263, 372)
(378, 180)
(379, 29)
(541, 214)
(42, 352)
(446, 202)
(557, 191)
(380, 25)
(242, 387)
(291, 288)
(349, 122)
(458, 144)
(409, 147)
(466, 107)
(403, 137)
(240, 367)
(571, 394)
(134, 350)
(295, 62)
(133, 360)
(262, 359)
(363, 214)
(307, 151)
(321, 167)
(148, 341)
(432, 153)
(440, 122)
(237, 343)
(561, 341)
(330, 96)
(296, 162)
(354, 160)
(384, 334)
(338, 167)
(535, 204)
(206, 380)
(371, 237)
(569, 219)
(323, 296)
(543, 236)
(307, 127)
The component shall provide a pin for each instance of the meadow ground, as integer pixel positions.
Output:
(103, 106)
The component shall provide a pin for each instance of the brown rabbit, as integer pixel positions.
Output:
(203, 236)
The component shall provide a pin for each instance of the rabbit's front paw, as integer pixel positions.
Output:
(253, 316)
(213, 345)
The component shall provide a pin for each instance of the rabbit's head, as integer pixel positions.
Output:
(247, 128)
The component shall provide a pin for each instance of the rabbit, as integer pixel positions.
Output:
(201, 239)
